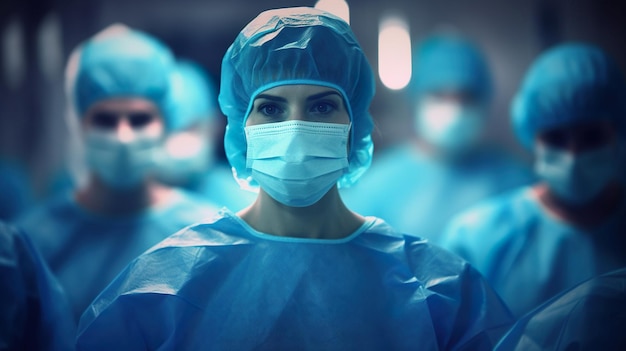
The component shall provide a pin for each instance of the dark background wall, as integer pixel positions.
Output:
(37, 37)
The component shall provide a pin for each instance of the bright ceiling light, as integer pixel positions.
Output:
(394, 52)
(338, 8)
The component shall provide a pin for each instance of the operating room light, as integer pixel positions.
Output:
(13, 50)
(338, 8)
(394, 52)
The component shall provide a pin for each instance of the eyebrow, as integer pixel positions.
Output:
(270, 97)
(310, 98)
(323, 94)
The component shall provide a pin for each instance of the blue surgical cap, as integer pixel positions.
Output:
(193, 94)
(569, 84)
(451, 63)
(121, 63)
(298, 45)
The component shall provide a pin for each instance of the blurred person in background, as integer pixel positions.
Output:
(15, 192)
(188, 156)
(539, 240)
(419, 186)
(119, 91)
(590, 316)
(296, 270)
(34, 312)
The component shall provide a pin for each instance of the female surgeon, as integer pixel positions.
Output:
(537, 241)
(119, 86)
(296, 270)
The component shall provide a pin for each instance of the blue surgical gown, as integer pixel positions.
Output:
(221, 285)
(34, 313)
(15, 193)
(418, 194)
(86, 251)
(590, 316)
(527, 254)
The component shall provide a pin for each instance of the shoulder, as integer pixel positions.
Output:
(587, 312)
(25, 265)
(463, 307)
(459, 298)
(379, 227)
(192, 255)
(426, 261)
(490, 223)
(59, 205)
(50, 220)
(187, 208)
(172, 261)
(219, 228)
(10, 242)
(32, 301)
(501, 208)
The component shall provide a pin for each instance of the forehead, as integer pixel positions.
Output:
(124, 105)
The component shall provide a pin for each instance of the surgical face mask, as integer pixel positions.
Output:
(297, 162)
(185, 157)
(449, 126)
(576, 178)
(120, 164)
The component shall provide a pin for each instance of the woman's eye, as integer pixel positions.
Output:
(269, 109)
(323, 107)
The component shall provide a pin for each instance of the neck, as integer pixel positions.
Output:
(328, 218)
(587, 215)
(98, 197)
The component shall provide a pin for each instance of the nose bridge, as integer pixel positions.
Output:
(296, 112)
(576, 143)
(574, 146)
(124, 130)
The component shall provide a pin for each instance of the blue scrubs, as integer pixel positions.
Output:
(224, 286)
(34, 314)
(418, 195)
(590, 316)
(530, 256)
(15, 193)
(86, 251)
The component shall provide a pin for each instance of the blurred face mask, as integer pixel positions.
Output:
(576, 178)
(120, 164)
(185, 157)
(297, 162)
(449, 126)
